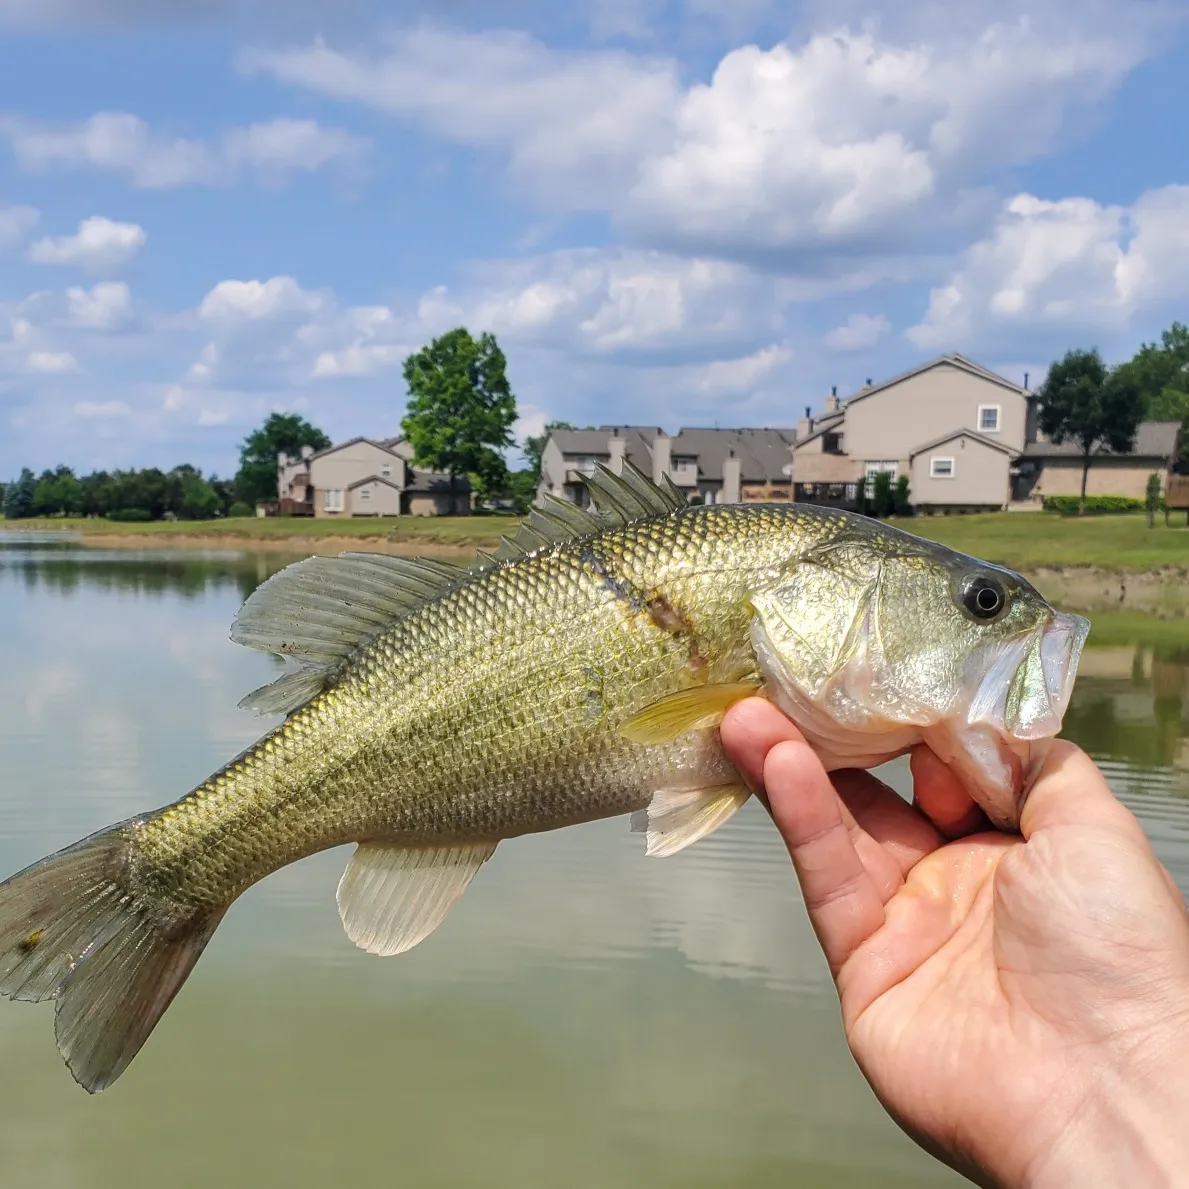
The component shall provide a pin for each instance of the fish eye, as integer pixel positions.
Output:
(984, 597)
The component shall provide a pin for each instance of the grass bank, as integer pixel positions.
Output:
(1022, 540)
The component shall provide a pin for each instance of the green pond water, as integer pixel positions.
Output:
(584, 1018)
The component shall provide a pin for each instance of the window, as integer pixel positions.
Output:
(332, 501)
(879, 466)
(386, 470)
(365, 493)
(941, 467)
(988, 418)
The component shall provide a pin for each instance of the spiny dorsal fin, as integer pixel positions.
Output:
(630, 495)
(320, 610)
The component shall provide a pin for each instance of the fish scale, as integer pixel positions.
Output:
(578, 673)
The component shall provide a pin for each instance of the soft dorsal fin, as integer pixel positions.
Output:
(319, 611)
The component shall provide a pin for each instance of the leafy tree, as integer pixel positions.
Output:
(2, 487)
(199, 500)
(883, 499)
(461, 407)
(902, 497)
(1092, 406)
(282, 433)
(1161, 373)
(58, 493)
(1153, 498)
(534, 445)
(522, 487)
(18, 496)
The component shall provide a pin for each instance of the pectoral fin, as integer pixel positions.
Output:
(391, 898)
(687, 710)
(675, 818)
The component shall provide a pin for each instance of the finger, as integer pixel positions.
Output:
(1070, 788)
(942, 798)
(749, 731)
(900, 832)
(843, 900)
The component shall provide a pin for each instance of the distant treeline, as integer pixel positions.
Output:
(149, 494)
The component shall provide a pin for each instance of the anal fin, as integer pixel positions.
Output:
(671, 717)
(391, 897)
(677, 818)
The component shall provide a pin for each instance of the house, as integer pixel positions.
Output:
(952, 426)
(1046, 469)
(710, 465)
(365, 477)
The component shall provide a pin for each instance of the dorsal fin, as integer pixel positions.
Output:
(319, 611)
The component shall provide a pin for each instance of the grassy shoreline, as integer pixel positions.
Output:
(1022, 540)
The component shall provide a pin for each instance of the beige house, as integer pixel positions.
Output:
(1046, 469)
(712, 465)
(952, 426)
(365, 477)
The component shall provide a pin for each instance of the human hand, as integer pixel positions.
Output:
(1019, 1005)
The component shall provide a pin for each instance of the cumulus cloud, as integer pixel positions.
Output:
(99, 245)
(123, 144)
(840, 139)
(16, 222)
(51, 362)
(1066, 265)
(859, 332)
(105, 306)
(101, 409)
(255, 301)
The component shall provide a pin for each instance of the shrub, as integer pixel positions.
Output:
(1096, 505)
(239, 508)
(129, 514)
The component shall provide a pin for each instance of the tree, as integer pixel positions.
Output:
(1161, 373)
(883, 499)
(1153, 498)
(58, 492)
(18, 496)
(461, 407)
(902, 497)
(1094, 407)
(282, 433)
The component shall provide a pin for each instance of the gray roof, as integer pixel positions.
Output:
(763, 453)
(380, 445)
(638, 441)
(374, 479)
(435, 481)
(954, 434)
(1153, 439)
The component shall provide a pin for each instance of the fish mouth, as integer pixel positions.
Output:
(1018, 707)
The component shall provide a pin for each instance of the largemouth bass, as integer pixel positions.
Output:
(579, 673)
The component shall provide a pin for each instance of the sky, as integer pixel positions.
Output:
(669, 212)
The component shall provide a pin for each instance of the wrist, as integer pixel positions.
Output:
(1129, 1129)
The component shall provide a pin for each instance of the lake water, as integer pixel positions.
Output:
(585, 1018)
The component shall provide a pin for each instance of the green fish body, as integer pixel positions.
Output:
(579, 674)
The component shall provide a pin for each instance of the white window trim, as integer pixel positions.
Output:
(332, 499)
(998, 418)
(935, 459)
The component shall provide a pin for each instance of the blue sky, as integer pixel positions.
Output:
(669, 211)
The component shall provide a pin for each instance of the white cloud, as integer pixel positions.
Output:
(844, 138)
(99, 245)
(123, 144)
(105, 306)
(740, 375)
(858, 332)
(51, 362)
(101, 409)
(15, 224)
(204, 366)
(1067, 265)
(254, 301)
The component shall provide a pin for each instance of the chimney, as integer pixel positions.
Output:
(307, 451)
(616, 447)
(868, 384)
(282, 459)
(1025, 381)
(732, 486)
(831, 405)
(662, 457)
(805, 425)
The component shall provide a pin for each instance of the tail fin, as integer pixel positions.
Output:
(72, 930)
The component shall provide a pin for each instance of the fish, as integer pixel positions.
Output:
(578, 672)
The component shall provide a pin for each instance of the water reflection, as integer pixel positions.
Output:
(586, 1017)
